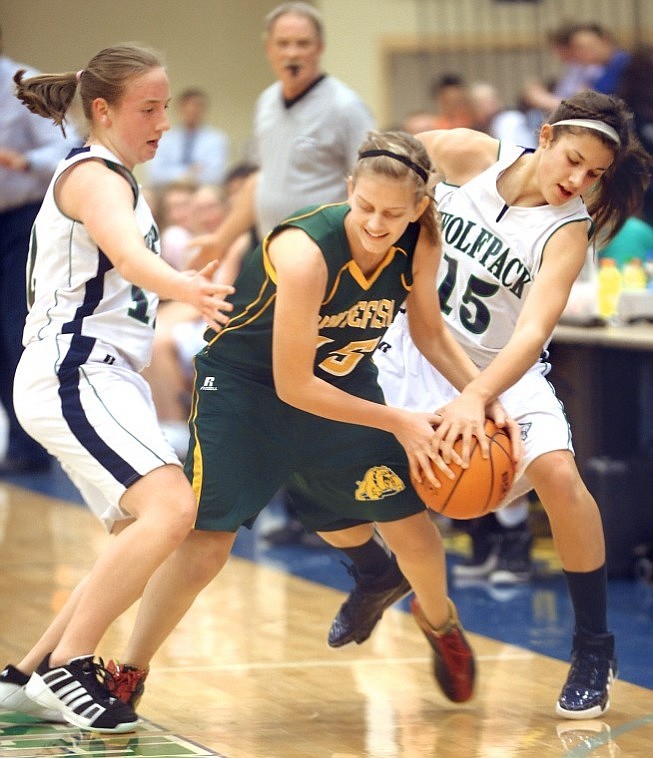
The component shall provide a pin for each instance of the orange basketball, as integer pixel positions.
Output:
(476, 490)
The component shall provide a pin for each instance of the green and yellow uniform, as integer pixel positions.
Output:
(246, 443)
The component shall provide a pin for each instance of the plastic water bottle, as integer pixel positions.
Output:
(648, 269)
(634, 276)
(609, 286)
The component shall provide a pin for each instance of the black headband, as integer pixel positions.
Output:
(421, 172)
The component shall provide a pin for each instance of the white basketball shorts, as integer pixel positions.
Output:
(409, 381)
(95, 414)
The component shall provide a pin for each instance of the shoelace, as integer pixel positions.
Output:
(98, 678)
(586, 667)
(125, 681)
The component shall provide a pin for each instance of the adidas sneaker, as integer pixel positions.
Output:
(78, 691)
(14, 698)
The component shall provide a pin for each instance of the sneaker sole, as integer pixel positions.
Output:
(19, 702)
(589, 713)
(360, 638)
(39, 692)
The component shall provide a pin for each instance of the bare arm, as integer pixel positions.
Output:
(562, 262)
(460, 154)
(301, 282)
(240, 219)
(103, 201)
(232, 262)
(427, 327)
(436, 343)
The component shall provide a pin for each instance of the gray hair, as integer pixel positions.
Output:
(300, 9)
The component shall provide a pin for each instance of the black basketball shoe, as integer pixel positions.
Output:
(586, 693)
(78, 692)
(371, 597)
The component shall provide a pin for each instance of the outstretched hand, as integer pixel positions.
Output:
(207, 296)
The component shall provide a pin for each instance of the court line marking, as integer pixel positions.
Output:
(323, 663)
(608, 737)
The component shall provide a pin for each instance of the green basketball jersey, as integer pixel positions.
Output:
(354, 315)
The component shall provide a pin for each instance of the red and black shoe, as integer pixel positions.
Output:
(453, 658)
(127, 683)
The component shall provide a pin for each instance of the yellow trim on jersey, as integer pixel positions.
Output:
(312, 212)
(267, 263)
(196, 484)
(261, 306)
(243, 313)
(360, 278)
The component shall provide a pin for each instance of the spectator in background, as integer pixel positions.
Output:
(417, 121)
(501, 545)
(179, 327)
(636, 88)
(453, 107)
(30, 149)
(576, 74)
(635, 238)
(175, 222)
(491, 117)
(592, 45)
(191, 151)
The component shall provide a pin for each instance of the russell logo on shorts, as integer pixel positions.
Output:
(209, 384)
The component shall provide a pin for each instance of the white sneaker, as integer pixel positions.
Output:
(14, 698)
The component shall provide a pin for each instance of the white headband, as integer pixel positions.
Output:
(588, 123)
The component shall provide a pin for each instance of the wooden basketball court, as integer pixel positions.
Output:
(248, 673)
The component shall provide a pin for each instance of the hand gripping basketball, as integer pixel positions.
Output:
(478, 489)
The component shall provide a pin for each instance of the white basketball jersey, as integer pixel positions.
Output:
(74, 289)
(491, 254)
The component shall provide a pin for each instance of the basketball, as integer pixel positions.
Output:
(478, 489)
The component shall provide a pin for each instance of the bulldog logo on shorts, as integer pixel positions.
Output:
(378, 482)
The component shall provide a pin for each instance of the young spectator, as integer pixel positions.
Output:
(492, 117)
(192, 151)
(576, 75)
(417, 121)
(453, 107)
(175, 223)
(179, 330)
(593, 45)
